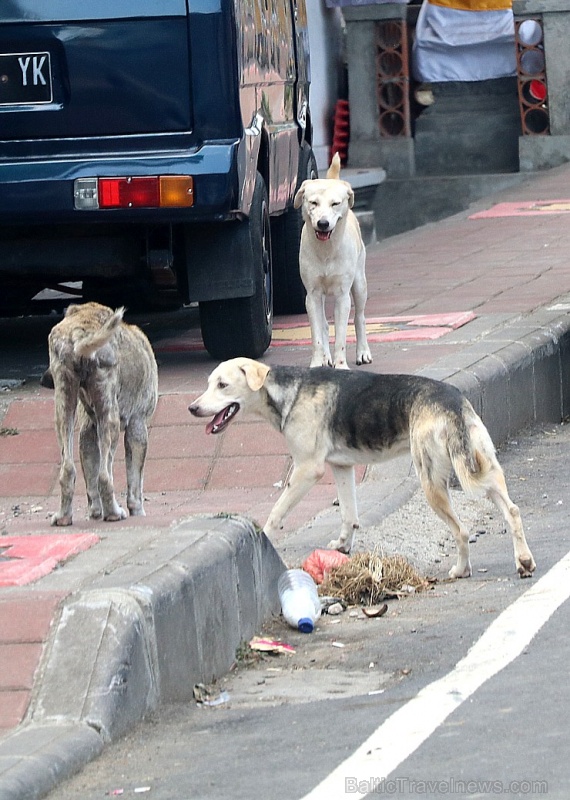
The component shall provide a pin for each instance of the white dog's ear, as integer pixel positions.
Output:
(350, 193)
(299, 196)
(255, 374)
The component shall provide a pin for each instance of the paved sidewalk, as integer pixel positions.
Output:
(482, 302)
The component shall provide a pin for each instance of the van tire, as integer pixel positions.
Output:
(243, 326)
(289, 292)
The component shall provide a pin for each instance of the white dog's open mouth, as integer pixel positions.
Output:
(222, 419)
(323, 236)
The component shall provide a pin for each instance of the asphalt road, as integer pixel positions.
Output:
(297, 726)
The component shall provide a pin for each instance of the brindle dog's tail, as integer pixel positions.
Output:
(89, 343)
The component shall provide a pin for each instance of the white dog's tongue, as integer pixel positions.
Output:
(222, 419)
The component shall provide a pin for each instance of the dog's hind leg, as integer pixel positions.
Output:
(437, 495)
(439, 500)
(345, 484)
(136, 441)
(490, 479)
(89, 452)
(109, 430)
(499, 495)
(433, 467)
(303, 478)
(66, 393)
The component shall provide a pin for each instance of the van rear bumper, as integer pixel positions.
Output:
(41, 191)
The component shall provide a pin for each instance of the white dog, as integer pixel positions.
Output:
(332, 260)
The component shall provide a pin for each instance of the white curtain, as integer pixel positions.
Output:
(453, 44)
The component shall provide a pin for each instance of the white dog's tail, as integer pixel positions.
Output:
(333, 171)
(92, 341)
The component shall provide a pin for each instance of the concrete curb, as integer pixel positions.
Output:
(119, 650)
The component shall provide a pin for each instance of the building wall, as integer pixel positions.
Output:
(326, 39)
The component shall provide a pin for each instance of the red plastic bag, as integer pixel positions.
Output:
(321, 561)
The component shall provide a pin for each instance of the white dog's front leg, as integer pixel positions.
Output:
(359, 295)
(346, 488)
(303, 478)
(315, 305)
(341, 314)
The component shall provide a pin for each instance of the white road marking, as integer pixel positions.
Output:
(403, 732)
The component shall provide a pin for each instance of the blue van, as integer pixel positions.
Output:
(151, 149)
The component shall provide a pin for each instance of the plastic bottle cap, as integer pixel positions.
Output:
(306, 625)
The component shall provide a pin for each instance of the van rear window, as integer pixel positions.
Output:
(70, 10)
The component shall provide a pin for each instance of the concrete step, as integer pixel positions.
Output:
(472, 128)
(367, 224)
(403, 204)
(471, 153)
(365, 182)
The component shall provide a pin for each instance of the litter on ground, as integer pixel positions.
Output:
(209, 696)
(368, 578)
(270, 645)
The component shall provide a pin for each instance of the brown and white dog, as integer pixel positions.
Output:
(332, 263)
(343, 418)
(108, 368)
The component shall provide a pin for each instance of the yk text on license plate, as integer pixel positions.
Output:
(25, 78)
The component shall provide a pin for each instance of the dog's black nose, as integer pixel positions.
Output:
(323, 224)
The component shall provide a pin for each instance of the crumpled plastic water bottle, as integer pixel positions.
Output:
(299, 598)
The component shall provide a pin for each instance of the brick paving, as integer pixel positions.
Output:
(25, 622)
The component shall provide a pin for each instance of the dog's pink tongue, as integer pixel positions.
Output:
(222, 419)
(214, 425)
(323, 236)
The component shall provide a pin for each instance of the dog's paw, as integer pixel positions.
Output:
(61, 520)
(340, 545)
(363, 358)
(116, 515)
(321, 361)
(341, 365)
(526, 566)
(457, 572)
(137, 511)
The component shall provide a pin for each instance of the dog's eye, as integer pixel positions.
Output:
(222, 385)
(335, 204)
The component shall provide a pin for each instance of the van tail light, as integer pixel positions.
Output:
(159, 191)
(176, 191)
(128, 193)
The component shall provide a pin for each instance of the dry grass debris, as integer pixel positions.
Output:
(367, 578)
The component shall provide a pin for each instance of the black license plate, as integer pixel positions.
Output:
(25, 78)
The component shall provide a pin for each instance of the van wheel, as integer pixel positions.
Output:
(286, 231)
(242, 326)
